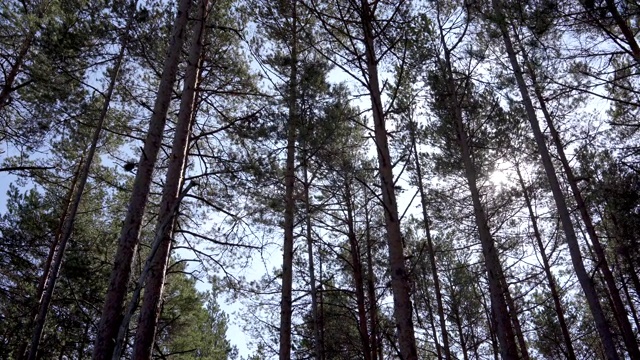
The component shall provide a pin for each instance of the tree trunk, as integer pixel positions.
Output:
(371, 289)
(286, 301)
(456, 316)
(565, 218)
(155, 278)
(67, 227)
(53, 249)
(354, 248)
(399, 276)
(8, 87)
(128, 241)
(492, 326)
(504, 329)
(620, 311)
(566, 336)
(312, 278)
(430, 249)
(513, 312)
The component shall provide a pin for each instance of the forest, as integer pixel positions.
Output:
(326, 179)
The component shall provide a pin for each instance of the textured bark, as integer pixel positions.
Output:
(156, 275)
(563, 211)
(566, 336)
(430, 249)
(286, 301)
(402, 307)
(358, 281)
(603, 264)
(128, 241)
(67, 228)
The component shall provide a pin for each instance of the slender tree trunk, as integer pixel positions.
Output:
(67, 228)
(155, 278)
(620, 311)
(491, 324)
(427, 304)
(399, 276)
(566, 336)
(53, 248)
(357, 275)
(456, 316)
(513, 312)
(565, 218)
(7, 88)
(312, 278)
(286, 302)
(128, 241)
(430, 249)
(623, 26)
(504, 329)
(371, 289)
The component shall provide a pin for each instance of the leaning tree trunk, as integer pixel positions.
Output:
(500, 312)
(566, 336)
(10, 78)
(53, 250)
(430, 249)
(128, 242)
(522, 343)
(358, 281)
(155, 278)
(402, 307)
(67, 228)
(286, 302)
(563, 211)
(603, 264)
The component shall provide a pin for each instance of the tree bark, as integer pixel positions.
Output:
(513, 312)
(603, 264)
(566, 336)
(286, 301)
(399, 276)
(67, 228)
(504, 329)
(371, 289)
(358, 281)
(128, 241)
(53, 250)
(7, 87)
(565, 217)
(430, 249)
(155, 278)
(312, 278)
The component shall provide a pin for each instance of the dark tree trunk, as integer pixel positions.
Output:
(566, 336)
(128, 241)
(358, 281)
(563, 211)
(399, 276)
(67, 228)
(287, 248)
(430, 250)
(156, 275)
(603, 264)
(371, 289)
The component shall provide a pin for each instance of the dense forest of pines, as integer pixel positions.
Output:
(364, 179)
